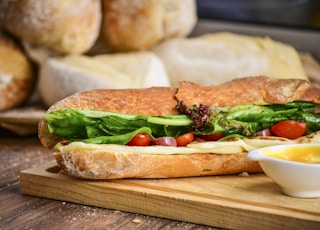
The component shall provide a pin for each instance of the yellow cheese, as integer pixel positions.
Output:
(218, 147)
(227, 147)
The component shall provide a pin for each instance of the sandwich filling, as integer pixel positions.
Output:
(238, 128)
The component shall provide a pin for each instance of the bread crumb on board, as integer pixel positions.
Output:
(136, 221)
(244, 174)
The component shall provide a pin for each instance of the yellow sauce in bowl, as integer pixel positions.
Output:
(304, 154)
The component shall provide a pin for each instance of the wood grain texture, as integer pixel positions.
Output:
(233, 202)
(28, 212)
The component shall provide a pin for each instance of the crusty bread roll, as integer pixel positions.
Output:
(63, 76)
(17, 77)
(110, 161)
(213, 59)
(63, 26)
(140, 24)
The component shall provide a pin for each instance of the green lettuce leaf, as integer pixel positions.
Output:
(106, 127)
(247, 120)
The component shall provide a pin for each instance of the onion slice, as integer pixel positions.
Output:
(164, 141)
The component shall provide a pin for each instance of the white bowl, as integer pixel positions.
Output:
(297, 179)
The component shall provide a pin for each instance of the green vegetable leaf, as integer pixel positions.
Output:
(121, 139)
(247, 120)
(94, 126)
(106, 127)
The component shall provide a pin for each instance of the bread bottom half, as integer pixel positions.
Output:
(109, 165)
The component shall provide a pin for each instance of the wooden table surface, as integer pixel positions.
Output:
(26, 212)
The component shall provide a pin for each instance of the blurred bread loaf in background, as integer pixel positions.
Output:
(61, 77)
(88, 44)
(60, 25)
(140, 24)
(219, 57)
(17, 78)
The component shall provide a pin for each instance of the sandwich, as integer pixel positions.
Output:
(191, 130)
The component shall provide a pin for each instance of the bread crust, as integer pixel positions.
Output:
(153, 101)
(259, 90)
(114, 165)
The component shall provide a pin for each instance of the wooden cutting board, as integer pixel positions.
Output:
(236, 202)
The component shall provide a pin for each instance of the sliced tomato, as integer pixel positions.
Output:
(140, 140)
(211, 137)
(185, 139)
(165, 141)
(289, 129)
(64, 143)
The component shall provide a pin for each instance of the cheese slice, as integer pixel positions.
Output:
(214, 147)
(218, 147)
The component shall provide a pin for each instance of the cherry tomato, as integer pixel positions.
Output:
(165, 141)
(289, 129)
(185, 139)
(211, 137)
(140, 140)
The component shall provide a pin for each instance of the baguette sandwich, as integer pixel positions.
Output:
(192, 130)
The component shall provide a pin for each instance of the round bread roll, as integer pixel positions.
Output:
(63, 26)
(139, 24)
(220, 57)
(16, 74)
